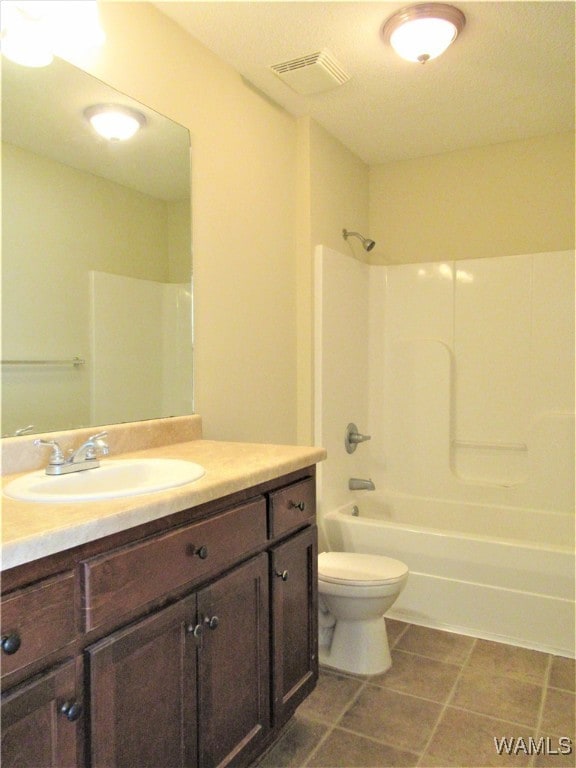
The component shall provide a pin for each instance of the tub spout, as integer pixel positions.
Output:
(356, 484)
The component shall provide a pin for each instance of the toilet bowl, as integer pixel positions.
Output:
(355, 591)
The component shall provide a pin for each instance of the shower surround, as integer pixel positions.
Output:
(463, 373)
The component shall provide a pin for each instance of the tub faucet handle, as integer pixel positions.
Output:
(353, 437)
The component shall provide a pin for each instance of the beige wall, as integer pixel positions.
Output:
(265, 189)
(332, 196)
(339, 192)
(243, 218)
(500, 200)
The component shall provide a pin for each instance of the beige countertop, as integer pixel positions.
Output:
(33, 530)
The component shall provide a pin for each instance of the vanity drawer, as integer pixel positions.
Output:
(37, 621)
(122, 582)
(292, 506)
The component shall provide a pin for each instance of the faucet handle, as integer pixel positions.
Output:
(356, 437)
(57, 456)
(95, 443)
(99, 436)
(353, 437)
(24, 430)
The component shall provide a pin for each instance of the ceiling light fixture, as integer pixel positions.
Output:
(423, 32)
(33, 31)
(115, 122)
(23, 35)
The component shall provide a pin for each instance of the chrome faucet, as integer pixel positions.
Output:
(84, 457)
(357, 484)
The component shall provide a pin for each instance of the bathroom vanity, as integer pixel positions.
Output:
(177, 628)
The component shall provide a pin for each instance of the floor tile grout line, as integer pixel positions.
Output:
(365, 682)
(401, 635)
(316, 747)
(503, 720)
(426, 656)
(447, 703)
(335, 722)
(473, 668)
(381, 742)
(464, 665)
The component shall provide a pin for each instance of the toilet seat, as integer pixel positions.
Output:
(358, 569)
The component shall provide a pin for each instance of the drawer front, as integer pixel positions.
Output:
(292, 506)
(37, 621)
(122, 582)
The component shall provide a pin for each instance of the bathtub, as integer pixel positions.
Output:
(498, 586)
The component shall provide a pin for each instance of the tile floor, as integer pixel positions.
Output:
(442, 703)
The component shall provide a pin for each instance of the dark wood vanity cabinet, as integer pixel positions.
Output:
(42, 720)
(234, 665)
(142, 683)
(295, 622)
(193, 641)
(202, 661)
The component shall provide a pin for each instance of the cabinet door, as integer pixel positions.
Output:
(295, 621)
(233, 666)
(41, 721)
(143, 692)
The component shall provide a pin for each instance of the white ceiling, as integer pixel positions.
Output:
(509, 76)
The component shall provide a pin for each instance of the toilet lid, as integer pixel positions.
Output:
(356, 568)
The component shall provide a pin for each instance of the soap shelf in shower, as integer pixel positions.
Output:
(490, 446)
(75, 361)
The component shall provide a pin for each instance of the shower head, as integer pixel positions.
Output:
(367, 244)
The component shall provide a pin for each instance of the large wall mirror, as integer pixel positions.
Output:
(96, 272)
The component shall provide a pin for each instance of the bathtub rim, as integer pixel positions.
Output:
(345, 510)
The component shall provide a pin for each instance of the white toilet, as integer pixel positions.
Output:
(355, 591)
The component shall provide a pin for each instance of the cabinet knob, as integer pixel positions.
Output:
(202, 551)
(282, 575)
(194, 629)
(71, 710)
(10, 643)
(211, 622)
(301, 505)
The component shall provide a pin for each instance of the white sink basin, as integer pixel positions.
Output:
(113, 479)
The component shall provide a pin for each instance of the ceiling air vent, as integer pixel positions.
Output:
(311, 74)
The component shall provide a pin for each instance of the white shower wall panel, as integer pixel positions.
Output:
(552, 329)
(341, 371)
(492, 344)
(468, 392)
(462, 372)
(126, 344)
(177, 348)
(478, 371)
(141, 348)
(419, 301)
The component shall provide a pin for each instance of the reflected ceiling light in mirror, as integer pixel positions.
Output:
(422, 32)
(114, 121)
(34, 30)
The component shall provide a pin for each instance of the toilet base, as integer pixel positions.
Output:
(360, 647)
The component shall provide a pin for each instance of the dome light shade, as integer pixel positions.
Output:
(423, 32)
(115, 122)
(33, 31)
(23, 38)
